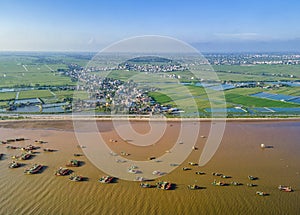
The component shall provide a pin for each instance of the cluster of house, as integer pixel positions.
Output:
(152, 68)
(115, 96)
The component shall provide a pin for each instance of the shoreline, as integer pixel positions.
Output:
(146, 119)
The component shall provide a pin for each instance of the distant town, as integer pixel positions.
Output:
(270, 78)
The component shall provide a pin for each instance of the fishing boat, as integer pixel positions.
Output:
(252, 177)
(77, 155)
(235, 183)
(193, 164)
(219, 183)
(193, 187)
(225, 176)
(62, 171)
(200, 173)
(39, 141)
(12, 147)
(30, 148)
(25, 156)
(134, 171)
(139, 178)
(217, 174)
(156, 172)
(73, 163)
(260, 193)
(14, 164)
(34, 169)
(49, 150)
(285, 188)
(164, 185)
(76, 178)
(106, 179)
(186, 168)
(145, 185)
(252, 185)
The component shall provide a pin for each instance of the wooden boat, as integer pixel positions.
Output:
(157, 172)
(193, 187)
(76, 178)
(73, 163)
(252, 177)
(125, 154)
(106, 179)
(225, 176)
(34, 169)
(1, 155)
(193, 164)
(200, 173)
(260, 193)
(146, 185)
(49, 150)
(217, 174)
(12, 147)
(39, 141)
(219, 183)
(77, 155)
(234, 183)
(139, 178)
(25, 156)
(62, 171)
(164, 185)
(186, 168)
(14, 164)
(252, 185)
(134, 171)
(285, 188)
(30, 148)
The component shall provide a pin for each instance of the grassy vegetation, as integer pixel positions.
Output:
(259, 69)
(7, 96)
(249, 101)
(35, 94)
(28, 71)
(160, 97)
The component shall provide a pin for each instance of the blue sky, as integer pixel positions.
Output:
(208, 25)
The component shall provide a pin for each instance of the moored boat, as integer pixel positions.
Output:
(25, 156)
(1, 155)
(73, 163)
(30, 148)
(260, 193)
(217, 174)
(252, 177)
(34, 169)
(164, 185)
(62, 171)
(14, 164)
(252, 185)
(219, 183)
(285, 188)
(76, 178)
(48, 150)
(106, 179)
(235, 183)
(200, 173)
(145, 185)
(193, 187)
(193, 164)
